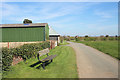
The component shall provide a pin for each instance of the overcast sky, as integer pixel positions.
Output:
(67, 18)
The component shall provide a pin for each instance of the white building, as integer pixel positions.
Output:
(54, 36)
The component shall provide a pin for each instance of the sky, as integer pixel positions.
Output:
(66, 18)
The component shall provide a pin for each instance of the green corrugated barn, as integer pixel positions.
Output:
(25, 32)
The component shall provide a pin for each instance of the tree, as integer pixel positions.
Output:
(116, 36)
(107, 36)
(86, 36)
(76, 38)
(27, 21)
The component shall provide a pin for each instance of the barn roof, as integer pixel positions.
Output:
(24, 25)
(52, 31)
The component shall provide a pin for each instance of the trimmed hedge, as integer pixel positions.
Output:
(6, 59)
(26, 52)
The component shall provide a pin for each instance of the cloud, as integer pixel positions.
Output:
(35, 13)
(101, 27)
(103, 14)
(41, 11)
(8, 10)
(65, 18)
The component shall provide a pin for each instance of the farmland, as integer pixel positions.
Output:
(108, 47)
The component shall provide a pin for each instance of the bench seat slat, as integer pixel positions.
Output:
(49, 58)
(43, 52)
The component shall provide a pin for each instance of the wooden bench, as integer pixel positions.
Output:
(47, 59)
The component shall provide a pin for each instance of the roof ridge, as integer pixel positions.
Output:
(52, 31)
(24, 25)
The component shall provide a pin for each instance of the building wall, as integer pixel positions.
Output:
(53, 38)
(53, 44)
(23, 34)
(15, 44)
(46, 32)
(59, 39)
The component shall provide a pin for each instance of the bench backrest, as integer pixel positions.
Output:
(43, 52)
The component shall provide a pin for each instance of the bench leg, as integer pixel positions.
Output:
(51, 60)
(43, 65)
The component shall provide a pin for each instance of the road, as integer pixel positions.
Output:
(92, 63)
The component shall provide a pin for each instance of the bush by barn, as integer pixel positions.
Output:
(25, 52)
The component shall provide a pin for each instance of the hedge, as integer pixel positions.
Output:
(6, 59)
(26, 52)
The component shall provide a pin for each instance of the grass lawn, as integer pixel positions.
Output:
(63, 66)
(64, 43)
(108, 47)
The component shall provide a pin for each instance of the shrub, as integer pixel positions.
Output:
(76, 39)
(61, 39)
(72, 38)
(6, 59)
(90, 38)
(111, 38)
(26, 52)
(68, 39)
(103, 38)
(87, 39)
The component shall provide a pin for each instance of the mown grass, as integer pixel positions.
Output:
(63, 66)
(108, 47)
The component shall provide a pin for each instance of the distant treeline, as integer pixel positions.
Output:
(89, 38)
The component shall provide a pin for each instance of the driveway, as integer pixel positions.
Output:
(92, 63)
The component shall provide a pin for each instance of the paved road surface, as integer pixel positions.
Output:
(92, 63)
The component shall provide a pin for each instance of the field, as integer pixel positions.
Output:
(63, 66)
(108, 47)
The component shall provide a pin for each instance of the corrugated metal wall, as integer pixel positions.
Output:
(23, 34)
(46, 32)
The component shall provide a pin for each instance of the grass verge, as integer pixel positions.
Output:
(64, 43)
(108, 47)
(63, 66)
